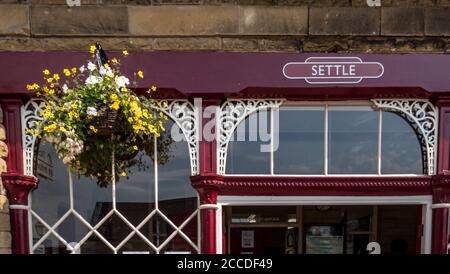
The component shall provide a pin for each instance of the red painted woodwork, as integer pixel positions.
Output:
(18, 187)
(207, 151)
(12, 121)
(444, 136)
(324, 185)
(229, 73)
(441, 195)
(208, 196)
(441, 189)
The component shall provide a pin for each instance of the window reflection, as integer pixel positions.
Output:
(248, 150)
(353, 140)
(301, 141)
(400, 148)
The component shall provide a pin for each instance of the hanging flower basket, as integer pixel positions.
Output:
(108, 122)
(91, 112)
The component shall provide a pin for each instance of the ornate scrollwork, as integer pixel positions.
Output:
(233, 112)
(30, 116)
(185, 115)
(182, 112)
(422, 116)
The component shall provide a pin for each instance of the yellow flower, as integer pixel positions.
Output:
(141, 74)
(38, 94)
(92, 49)
(130, 119)
(135, 148)
(50, 80)
(125, 52)
(29, 131)
(113, 97)
(52, 91)
(123, 174)
(74, 70)
(115, 105)
(114, 60)
(46, 72)
(66, 72)
(123, 89)
(56, 76)
(62, 129)
(153, 88)
(30, 87)
(93, 129)
(50, 128)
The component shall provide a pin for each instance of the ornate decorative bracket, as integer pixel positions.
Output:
(422, 116)
(182, 112)
(185, 115)
(30, 115)
(232, 113)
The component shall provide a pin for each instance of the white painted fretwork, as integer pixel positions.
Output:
(30, 115)
(233, 112)
(182, 112)
(422, 116)
(185, 115)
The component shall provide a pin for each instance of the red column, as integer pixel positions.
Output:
(441, 186)
(441, 199)
(12, 119)
(18, 186)
(205, 181)
(208, 201)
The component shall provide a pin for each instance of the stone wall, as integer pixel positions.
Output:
(5, 227)
(227, 25)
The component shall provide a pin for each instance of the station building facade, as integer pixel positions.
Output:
(322, 138)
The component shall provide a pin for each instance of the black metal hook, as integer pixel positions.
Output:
(100, 55)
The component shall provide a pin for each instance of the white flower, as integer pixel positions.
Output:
(122, 81)
(82, 68)
(65, 88)
(91, 111)
(67, 106)
(92, 80)
(106, 71)
(91, 66)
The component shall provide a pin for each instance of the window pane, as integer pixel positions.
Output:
(135, 192)
(248, 151)
(177, 197)
(301, 141)
(51, 198)
(353, 140)
(400, 148)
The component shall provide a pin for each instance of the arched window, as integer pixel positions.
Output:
(325, 139)
(151, 210)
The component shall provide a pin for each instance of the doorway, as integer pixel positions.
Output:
(322, 229)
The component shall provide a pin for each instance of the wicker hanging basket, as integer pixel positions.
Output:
(108, 122)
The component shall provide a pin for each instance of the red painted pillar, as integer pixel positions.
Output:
(205, 181)
(208, 201)
(18, 186)
(441, 185)
(441, 199)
